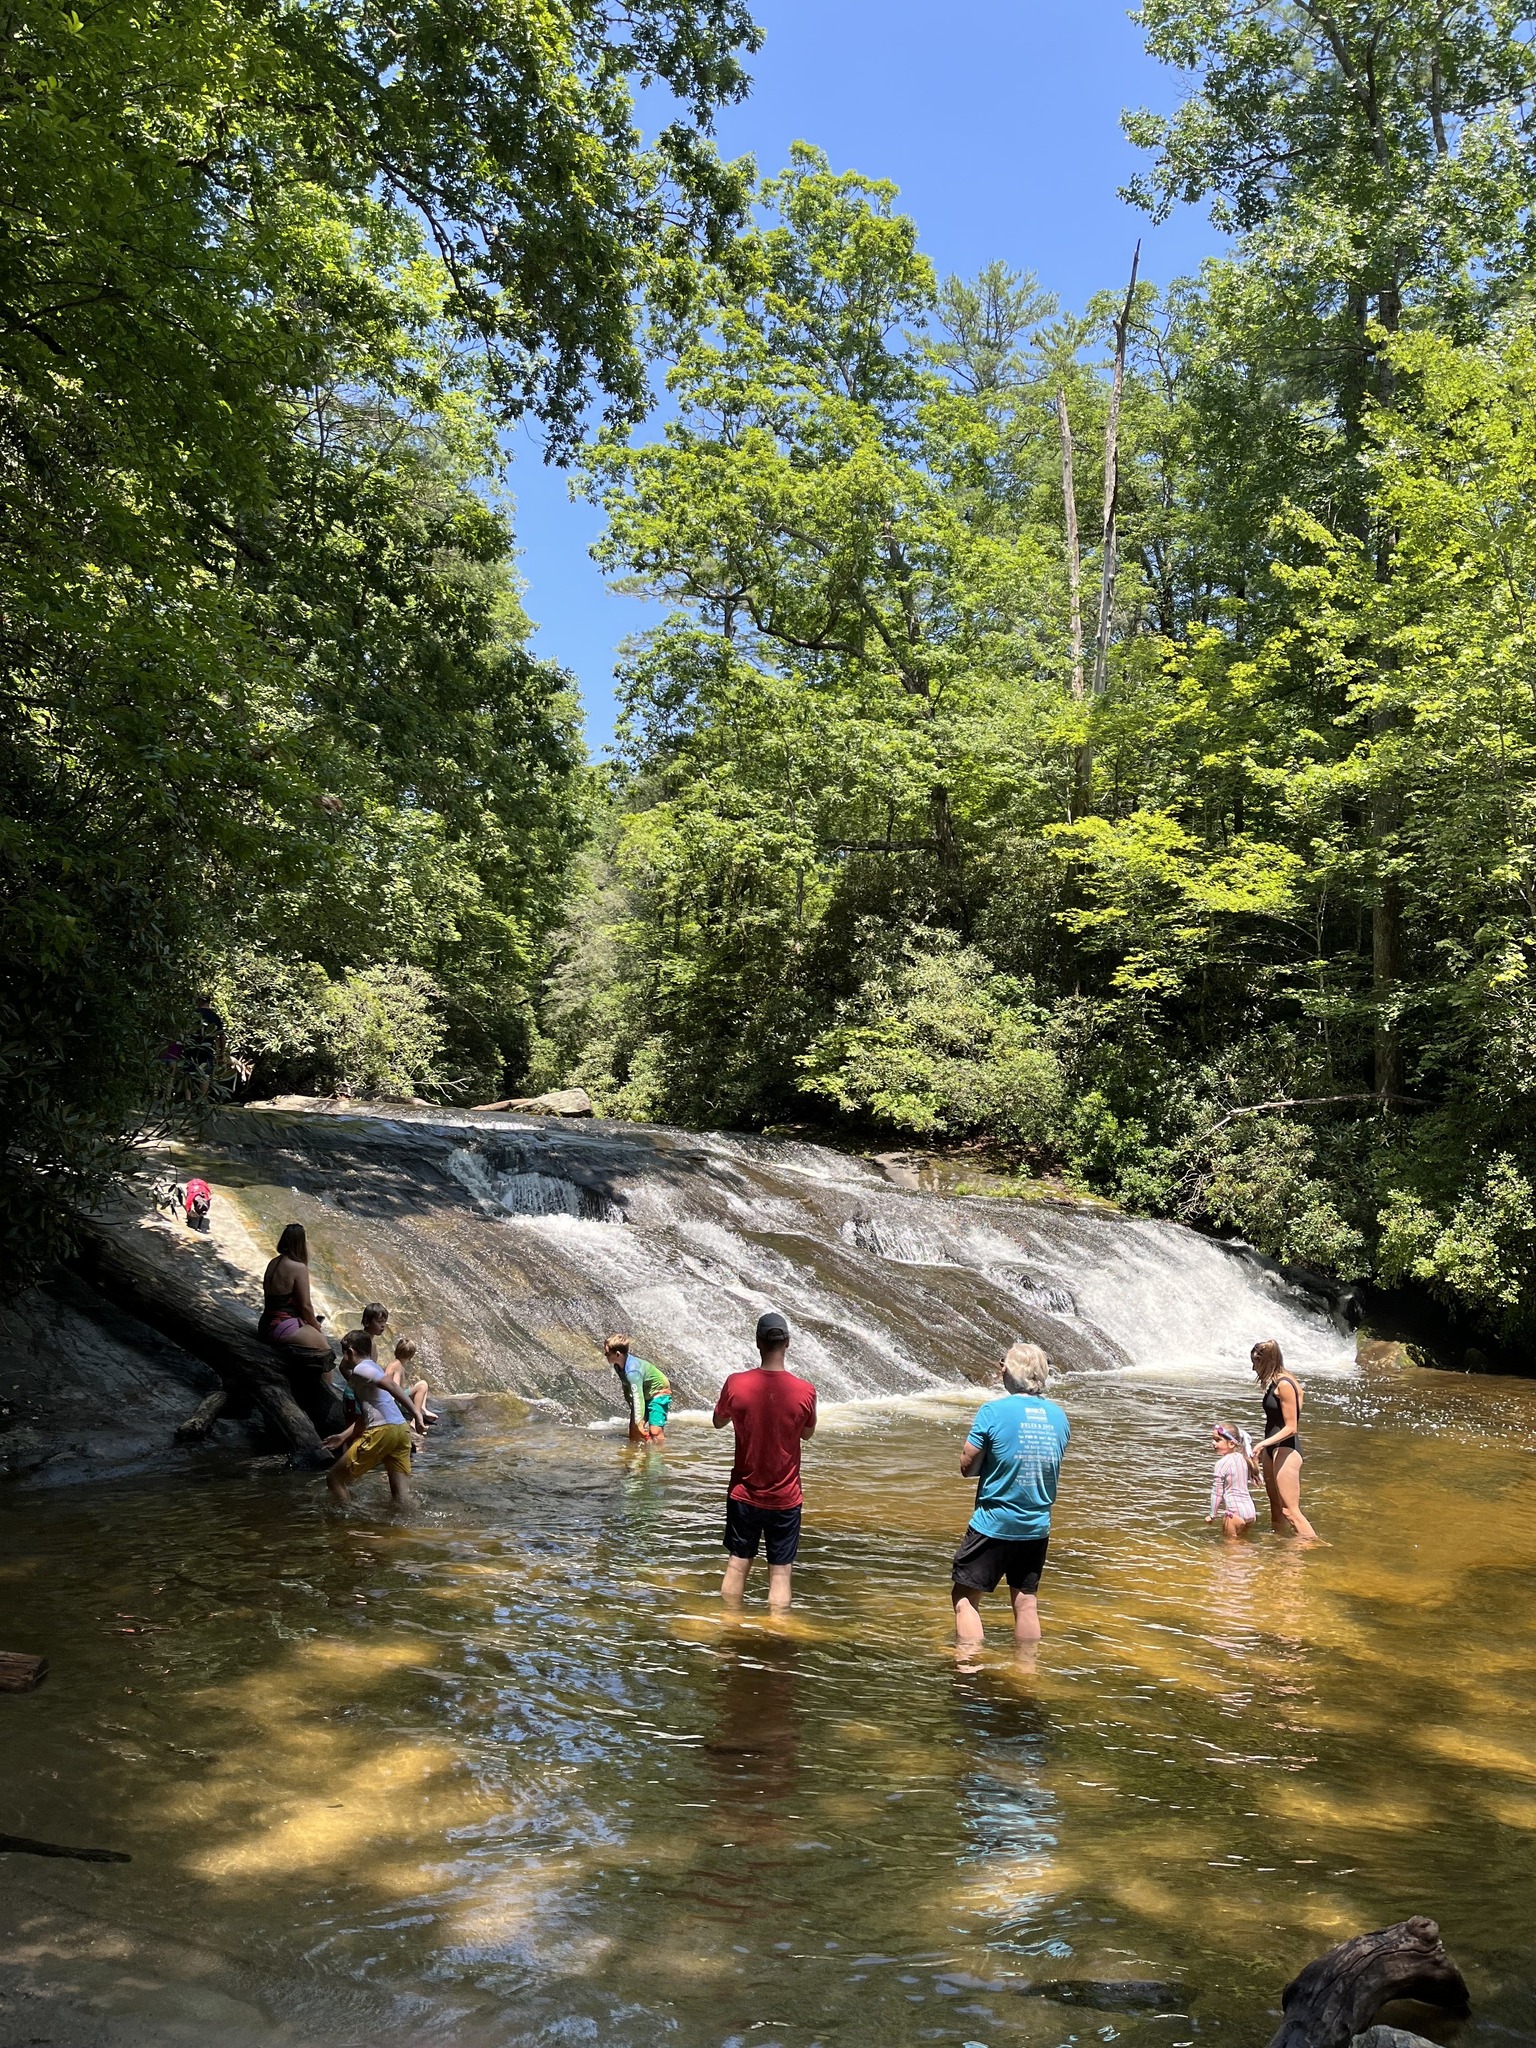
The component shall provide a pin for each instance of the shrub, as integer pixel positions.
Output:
(375, 1031)
(943, 1047)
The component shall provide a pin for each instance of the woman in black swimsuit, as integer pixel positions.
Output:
(1279, 1450)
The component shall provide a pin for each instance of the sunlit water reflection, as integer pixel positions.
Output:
(502, 1772)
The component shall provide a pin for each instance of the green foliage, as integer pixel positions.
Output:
(942, 1047)
(1244, 937)
(1261, 1184)
(271, 276)
(1480, 1257)
(375, 1031)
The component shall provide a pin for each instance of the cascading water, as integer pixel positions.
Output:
(513, 1246)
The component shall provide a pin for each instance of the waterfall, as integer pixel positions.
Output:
(511, 1246)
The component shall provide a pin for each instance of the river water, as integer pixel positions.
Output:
(499, 1770)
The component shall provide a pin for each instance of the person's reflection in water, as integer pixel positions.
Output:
(753, 1753)
(754, 1750)
(644, 1489)
(1011, 1820)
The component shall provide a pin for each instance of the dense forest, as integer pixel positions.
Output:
(1105, 736)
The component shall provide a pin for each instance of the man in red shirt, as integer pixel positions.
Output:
(773, 1412)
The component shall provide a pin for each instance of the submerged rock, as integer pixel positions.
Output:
(1391, 2037)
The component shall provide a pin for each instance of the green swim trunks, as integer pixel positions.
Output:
(657, 1392)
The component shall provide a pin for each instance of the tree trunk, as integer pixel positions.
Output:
(1340, 1994)
(1074, 546)
(1386, 971)
(1082, 765)
(175, 1289)
(1111, 541)
(20, 1672)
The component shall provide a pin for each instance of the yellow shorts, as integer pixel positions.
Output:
(387, 1444)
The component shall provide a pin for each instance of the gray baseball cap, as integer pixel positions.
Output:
(772, 1328)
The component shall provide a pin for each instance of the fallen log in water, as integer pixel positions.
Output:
(173, 1285)
(22, 1845)
(1339, 1995)
(21, 1673)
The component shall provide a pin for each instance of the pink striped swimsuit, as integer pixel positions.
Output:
(1229, 1488)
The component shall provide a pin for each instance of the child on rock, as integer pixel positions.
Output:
(1231, 1502)
(397, 1374)
(397, 1371)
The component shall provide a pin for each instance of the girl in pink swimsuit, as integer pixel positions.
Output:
(1231, 1502)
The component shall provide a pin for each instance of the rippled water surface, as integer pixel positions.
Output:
(501, 1772)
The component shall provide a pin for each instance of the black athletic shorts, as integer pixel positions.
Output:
(982, 1560)
(777, 1528)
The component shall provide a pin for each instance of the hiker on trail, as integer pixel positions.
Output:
(377, 1435)
(647, 1391)
(1014, 1448)
(773, 1412)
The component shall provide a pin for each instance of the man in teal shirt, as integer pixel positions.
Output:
(1015, 1447)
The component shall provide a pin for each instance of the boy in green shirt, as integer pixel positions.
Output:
(647, 1392)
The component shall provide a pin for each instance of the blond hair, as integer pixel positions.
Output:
(1025, 1369)
(405, 1348)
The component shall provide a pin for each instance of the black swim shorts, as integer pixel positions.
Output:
(777, 1528)
(982, 1560)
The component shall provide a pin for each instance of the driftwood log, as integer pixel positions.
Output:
(202, 1418)
(21, 1673)
(23, 1845)
(1339, 1995)
(171, 1284)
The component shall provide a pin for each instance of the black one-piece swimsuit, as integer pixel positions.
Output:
(1274, 1416)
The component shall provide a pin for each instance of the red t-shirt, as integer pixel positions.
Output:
(771, 1412)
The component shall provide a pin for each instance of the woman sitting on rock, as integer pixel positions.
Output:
(290, 1324)
(288, 1317)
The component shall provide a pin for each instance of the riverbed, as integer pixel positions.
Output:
(499, 1771)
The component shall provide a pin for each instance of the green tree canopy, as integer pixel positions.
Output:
(269, 276)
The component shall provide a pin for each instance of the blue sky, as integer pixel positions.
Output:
(1000, 122)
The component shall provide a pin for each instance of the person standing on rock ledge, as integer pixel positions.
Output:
(1015, 1447)
(773, 1413)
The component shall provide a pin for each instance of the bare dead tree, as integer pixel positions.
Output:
(1111, 541)
(1074, 547)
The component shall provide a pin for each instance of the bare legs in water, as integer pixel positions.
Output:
(1282, 1482)
(968, 1628)
(733, 1587)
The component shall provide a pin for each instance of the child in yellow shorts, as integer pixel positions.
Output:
(379, 1433)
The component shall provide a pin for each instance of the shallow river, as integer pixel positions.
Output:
(501, 1772)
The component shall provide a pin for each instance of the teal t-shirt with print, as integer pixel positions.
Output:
(1022, 1438)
